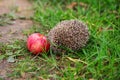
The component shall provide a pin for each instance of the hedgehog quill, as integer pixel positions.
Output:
(72, 34)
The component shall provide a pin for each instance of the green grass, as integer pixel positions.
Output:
(6, 19)
(98, 60)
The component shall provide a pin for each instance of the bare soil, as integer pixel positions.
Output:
(5, 69)
(23, 8)
(11, 32)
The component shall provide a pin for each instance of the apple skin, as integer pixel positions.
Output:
(37, 43)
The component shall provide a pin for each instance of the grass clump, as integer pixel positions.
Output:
(102, 50)
(99, 59)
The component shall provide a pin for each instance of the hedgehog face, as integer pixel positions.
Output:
(72, 34)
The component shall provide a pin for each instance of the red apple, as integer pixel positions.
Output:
(37, 43)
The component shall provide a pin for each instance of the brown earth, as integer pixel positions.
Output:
(5, 69)
(15, 31)
(10, 32)
(21, 8)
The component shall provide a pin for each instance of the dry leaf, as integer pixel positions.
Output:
(113, 12)
(83, 5)
(100, 29)
(91, 79)
(10, 59)
(104, 29)
(72, 5)
(76, 60)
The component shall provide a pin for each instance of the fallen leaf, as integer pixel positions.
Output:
(76, 60)
(11, 59)
(113, 12)
(109, 28)
(91, 79)
(83, 5)
(104, 29)
(100, 29)
(72, 5)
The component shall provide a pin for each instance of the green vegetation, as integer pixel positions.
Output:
(98, 60)
(6, 19)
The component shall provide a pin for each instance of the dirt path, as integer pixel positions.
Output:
(18, 9)
(5, 68)
(14, 30)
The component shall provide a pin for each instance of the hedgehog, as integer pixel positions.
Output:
(72, 34)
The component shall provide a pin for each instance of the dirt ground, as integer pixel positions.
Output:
(11, 32)
(21, 8)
